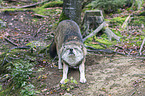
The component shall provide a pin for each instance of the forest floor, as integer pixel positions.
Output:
(106, 75)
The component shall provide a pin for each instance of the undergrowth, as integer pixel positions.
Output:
(19, 65)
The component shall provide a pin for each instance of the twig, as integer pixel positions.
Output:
(40, 16)
(133, 93)
(141, 46)
(105, 51)
(9, 41)
(26, 6)
(95, 32)
(38, 31)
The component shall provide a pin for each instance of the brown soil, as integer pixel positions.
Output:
(118, 76)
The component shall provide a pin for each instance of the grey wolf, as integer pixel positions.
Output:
(69, 47)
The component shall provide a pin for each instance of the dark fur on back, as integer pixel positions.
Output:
(66, 31)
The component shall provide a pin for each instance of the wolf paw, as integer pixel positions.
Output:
(62, 81)
(83, 80)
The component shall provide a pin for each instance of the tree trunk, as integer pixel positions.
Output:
(72, 10)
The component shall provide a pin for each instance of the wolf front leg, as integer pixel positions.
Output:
(65, 71)
(82, 72)
(59, 62)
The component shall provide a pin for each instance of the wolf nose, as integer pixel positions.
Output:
(71, 51)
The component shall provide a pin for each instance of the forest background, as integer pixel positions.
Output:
(114, 67)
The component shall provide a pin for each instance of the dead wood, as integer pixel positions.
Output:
(111, 35)
(38, 31)
(40, 16)
(95, 32)
(9, 41)
(141, 47)
(108, 51)
(124, 25)
(25, 6)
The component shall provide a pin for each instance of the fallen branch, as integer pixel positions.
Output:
(38, 31)
(141, 46)
(94, 32)
(40, 16)
(124, 25)
(111, 35)
(25, 6)
(108, 51)
(9, 41)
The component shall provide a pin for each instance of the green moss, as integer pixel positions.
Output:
(62, 17)
(35, 0)
(116, 32)
(117, 20)
(41, 11)
(142, 37)
(94, 45)
(102, 40)
(138, 20)
(13, 9)
(53, 4)
(45, 11)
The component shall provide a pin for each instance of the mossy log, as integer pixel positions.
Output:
(25, 6)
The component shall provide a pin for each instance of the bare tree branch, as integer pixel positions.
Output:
(141, 46)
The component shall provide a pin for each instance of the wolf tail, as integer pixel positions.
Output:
(52, 49)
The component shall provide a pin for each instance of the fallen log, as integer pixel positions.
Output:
(25, 6)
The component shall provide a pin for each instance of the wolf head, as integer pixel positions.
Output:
(73, 54)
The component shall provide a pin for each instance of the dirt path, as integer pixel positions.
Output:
(119, 76)
(122, 76)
